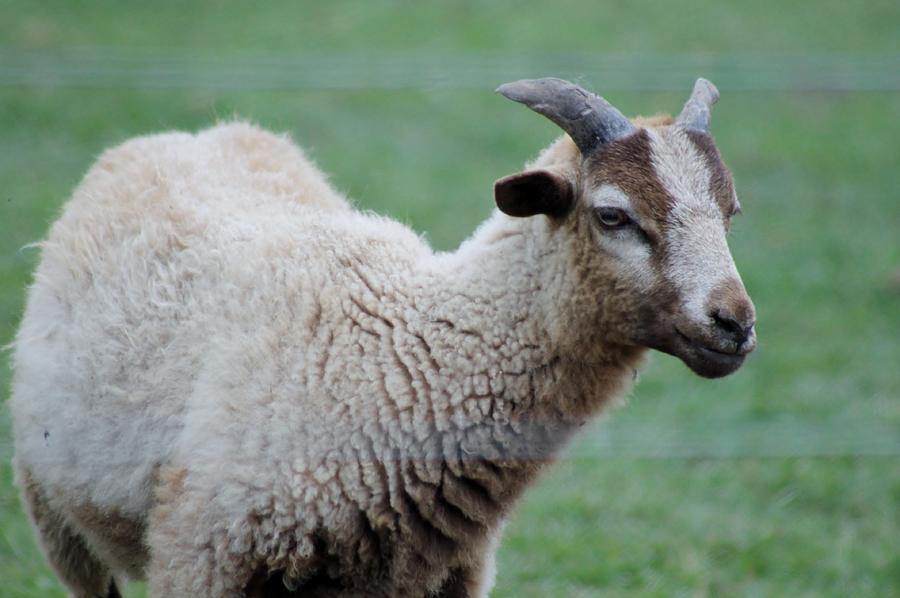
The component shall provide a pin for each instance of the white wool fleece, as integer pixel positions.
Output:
(220, 350)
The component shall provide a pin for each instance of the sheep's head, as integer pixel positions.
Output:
(647, 207)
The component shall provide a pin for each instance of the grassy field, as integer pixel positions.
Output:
(783, 480)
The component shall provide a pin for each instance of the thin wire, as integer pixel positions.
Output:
(726, 439)
(161, 68)
(722, 439)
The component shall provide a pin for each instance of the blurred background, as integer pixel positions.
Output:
(782, 480)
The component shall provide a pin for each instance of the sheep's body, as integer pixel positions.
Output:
(222, 362)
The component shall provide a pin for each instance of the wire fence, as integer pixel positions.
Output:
(736, 439)
(161, 68)
(720, 438)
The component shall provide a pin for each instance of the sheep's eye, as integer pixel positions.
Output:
(612, 217)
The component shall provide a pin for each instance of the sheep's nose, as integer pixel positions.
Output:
(738, 329)
(733, 315)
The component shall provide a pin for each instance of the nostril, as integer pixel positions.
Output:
(729, 324)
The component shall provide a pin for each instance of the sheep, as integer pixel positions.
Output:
(230, 382)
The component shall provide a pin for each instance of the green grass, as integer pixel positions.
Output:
(818, 246)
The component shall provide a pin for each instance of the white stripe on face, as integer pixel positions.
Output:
(698, 256)
(610, 196)
(632, 253)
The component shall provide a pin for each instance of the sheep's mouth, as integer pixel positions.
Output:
(706, 360)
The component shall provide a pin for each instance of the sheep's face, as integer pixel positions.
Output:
(646, 219)
(644, 212)
(661, 201)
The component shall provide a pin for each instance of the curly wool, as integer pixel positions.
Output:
(264, 386)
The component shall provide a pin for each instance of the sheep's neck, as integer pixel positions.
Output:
(512, 396)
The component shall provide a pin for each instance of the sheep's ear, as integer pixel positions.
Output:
(534, 192)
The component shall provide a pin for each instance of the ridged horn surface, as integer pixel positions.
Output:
(589, 120)
(697, 111)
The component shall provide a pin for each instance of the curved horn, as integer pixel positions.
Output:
(696, 112)
(589, 120)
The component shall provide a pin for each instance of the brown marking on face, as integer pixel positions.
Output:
(628, 164)
(721, 184)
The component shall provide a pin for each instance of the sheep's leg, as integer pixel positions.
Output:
(467, 583)
(188, 557)
(66, 551)
(475, 581)
(455, 586)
